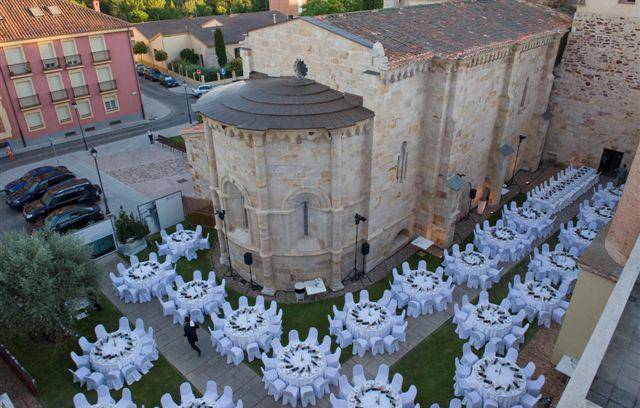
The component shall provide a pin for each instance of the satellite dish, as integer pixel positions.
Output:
(300, 68)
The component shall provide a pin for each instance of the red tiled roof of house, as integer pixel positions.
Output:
(449, 30)
(17, 23)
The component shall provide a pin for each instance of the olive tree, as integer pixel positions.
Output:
(39, 274)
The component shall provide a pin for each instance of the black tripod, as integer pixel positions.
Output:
(230, 273)
(355, 275)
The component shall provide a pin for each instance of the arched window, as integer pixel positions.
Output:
(524, 93)
(305, 218)
(401, 165)
(237, 216)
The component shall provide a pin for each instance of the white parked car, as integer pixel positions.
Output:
(201, 90)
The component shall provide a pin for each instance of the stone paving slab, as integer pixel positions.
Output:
(246, 383)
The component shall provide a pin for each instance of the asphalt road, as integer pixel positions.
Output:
(172, 98)
(10, 220)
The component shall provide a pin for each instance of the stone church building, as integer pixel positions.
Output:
(395, 104)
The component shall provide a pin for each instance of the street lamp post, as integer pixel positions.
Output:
(75, 108)
(94, 154)
(186, 99)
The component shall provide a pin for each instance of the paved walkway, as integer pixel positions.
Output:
(245, 383)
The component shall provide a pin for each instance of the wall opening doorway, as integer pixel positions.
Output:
(609, 162)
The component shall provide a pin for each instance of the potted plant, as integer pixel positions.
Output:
(131, 233)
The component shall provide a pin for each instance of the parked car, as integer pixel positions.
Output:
(152, 74)
(36, 188)
(71, 217)
(140, 68)
(69, 192)
(16, 185)
(168, 81)
(201, 90)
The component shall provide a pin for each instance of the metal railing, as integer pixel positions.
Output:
(59, 95)
(80, 90)
(72, 60)
(28, 101)
(107, 85)
(21, 68)
(171, 143)
(50, 63)
(100, 56)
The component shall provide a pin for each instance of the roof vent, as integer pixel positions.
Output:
(36, 11)
(54, 10)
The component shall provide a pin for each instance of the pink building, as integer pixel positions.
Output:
(61, 64)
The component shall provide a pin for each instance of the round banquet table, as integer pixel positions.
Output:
(562, 263)
(473, 263)
(504, 238)
(103, 406)
(369, 319)
(529, 217)
(584, 234)
(146, 274)
(491, 320)
(541, 296)
(180, 241)
(373, 394)
(194, 294)
(300, 363)
(498, 379)
(199, 403)
(420, 284)
(246, 325)
(603, 213)
(115, 351)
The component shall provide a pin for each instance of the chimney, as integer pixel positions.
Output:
(96, 5)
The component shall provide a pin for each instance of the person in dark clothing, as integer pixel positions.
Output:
(191, 333)
(150, 136)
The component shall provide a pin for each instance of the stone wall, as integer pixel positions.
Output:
(197, 159)
(596, 96)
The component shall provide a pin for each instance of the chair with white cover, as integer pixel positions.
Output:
(468, 356)
(235, 356)
(179, 227)
(529, 401)
(253, 351)
(186, 393)
(358, 375)
(307, 395)
(277, 389)
(95, 380)
(131, 374)
(125, 400)
(333, 359)
(80, 375)
(489, 403)
(179, 315)
(321, 387)
(391, 344)
(360, 346)
(382, 376)
(312, 336)
(80, 401)
(197, 315)
(377, 345)
(335, 325)
(290, 395)
(293, 336)
(85, 345)
(81, 361)
(337, 402)
(167, 402)
(134, 260)
(144, 295)
(100, 331)
(344, 338)
(534, 387)
(168, 307)
(396, 383)
(115, 379)
(408, 397)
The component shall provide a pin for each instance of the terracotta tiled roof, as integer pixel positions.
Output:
(448, 30)
(233, 26)
(18, 23)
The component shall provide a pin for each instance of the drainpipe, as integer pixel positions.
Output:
(13, 110)
(135, 75)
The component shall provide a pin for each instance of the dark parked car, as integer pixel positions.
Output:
(71, 217)
(16, 185)
(36, 188)
(152, 74)
(140, 68)
(69, 192)
(168, 81)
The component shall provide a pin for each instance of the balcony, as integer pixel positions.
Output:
(72, 60)
(49, 64)
(107, 86)
(59, 95)
(29, 101)
(21, 68)
(100, 56)
(81, 90)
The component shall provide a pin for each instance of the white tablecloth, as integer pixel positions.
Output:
(561, 193)
(498, 379)
(180, 241)
(491, 320)
(200, 403)
(194, 295)
(115, 351)
(420, 284)
(369, 319)
(472, 263)
(528, 217)
(246, 325)
(373, 394)
(300, 363)
(146, 274)
(503, 238)
(540, 296)
(608, 195)
(560, 263)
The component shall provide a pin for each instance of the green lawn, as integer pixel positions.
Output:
(49, 363)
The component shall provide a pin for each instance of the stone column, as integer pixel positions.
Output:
(625, 225)
(262, 214)
(245, 54)
(337, 212)
(213, 189)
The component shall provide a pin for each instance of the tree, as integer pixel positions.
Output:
(221, 50)
(39, 275)
(160, 55)
(190, 56)
(235, 65)
(140, 48)
(318, 7)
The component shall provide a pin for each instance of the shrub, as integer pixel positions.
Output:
(160, 55)
(39, 275)
(129, 227)
(235, 65)
(189, 56)
(140, 48)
